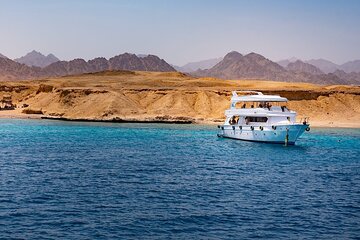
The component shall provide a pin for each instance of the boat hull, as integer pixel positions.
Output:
(280, 134)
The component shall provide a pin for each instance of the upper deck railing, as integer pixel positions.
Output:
(259, 97)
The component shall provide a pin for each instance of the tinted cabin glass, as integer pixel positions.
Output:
(257, 119)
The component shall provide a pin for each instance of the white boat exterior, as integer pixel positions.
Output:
(262, 122)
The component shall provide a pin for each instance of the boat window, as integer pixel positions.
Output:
(234, 120)
(256, 119)
(241, 105)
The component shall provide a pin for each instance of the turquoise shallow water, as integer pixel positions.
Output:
(99, 181)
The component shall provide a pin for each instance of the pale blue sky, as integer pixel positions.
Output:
(181, 31)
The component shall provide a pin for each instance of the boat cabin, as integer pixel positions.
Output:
(258, 109)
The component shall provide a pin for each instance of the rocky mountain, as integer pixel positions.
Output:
(324, 65)
(301, 67)
(254, 66)
(193, 66)
(330, 67)
(2, 56)
(236, 66)
(37, 59)
(351, 66)
(284, 63)
(132, 62)
(353, 77)
(10, 70)
(99, 64)
(63, 68)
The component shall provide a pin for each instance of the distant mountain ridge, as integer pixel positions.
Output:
(11, 70)
(233, 66)
(37, 59)
(324, 65)
(2, 56)
(327, 66)
(255, 66)
(284, 63)
(351, 66)
(203, 64)
(299, 66)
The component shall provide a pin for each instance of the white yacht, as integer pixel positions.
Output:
(261, 118)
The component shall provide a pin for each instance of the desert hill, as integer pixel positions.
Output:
(173, 96)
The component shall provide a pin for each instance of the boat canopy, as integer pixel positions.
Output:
(257, 98)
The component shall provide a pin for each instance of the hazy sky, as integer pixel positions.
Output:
(181, 31)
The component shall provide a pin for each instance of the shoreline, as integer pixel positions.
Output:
(10, 114)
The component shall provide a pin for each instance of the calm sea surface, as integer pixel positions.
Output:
(150, 181)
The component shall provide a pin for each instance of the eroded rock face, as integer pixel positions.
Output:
(44, 88)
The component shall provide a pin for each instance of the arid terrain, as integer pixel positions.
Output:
(170, 97)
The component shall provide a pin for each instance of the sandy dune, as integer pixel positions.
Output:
(152, 96)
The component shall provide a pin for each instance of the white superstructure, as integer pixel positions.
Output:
(261, 118)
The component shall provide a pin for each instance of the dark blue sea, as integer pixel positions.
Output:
(155, 181)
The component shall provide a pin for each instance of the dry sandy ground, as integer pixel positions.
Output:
(151, 96)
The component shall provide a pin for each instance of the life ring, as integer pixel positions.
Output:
(274, 127)
(252, 128)
(261, 128)
(307, 129)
